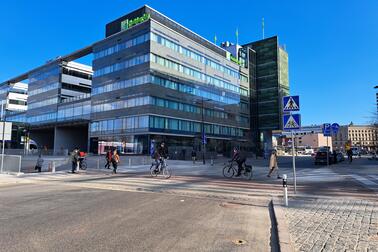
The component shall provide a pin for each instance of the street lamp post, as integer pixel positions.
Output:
(3, 135)
(203, 133)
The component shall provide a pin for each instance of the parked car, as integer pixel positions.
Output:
(321, 156)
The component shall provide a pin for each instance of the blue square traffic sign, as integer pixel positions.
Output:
(292, 122)
(290, 103)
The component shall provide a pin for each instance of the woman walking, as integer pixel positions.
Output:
(273, 164)
(115, 161)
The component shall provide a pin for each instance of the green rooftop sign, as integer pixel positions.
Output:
(126, 24)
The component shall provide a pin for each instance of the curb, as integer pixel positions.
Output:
(284, 241)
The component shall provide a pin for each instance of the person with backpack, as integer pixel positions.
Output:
(115, 161)
(108, 158)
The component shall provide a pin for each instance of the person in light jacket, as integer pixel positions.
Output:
(39, 163)
(273, 164)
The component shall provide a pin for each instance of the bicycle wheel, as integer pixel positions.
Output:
(248, 173)
(152, 171)
(83, 165)
(167, 172)
(228, 171)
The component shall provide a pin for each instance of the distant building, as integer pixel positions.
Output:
(313, 140)
(364, 136)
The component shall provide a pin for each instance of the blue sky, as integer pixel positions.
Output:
(332, 45)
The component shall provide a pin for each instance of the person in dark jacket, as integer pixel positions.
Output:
(194, 156)
(239, 159)
(160, 153)
(108, 158)
(74, 159)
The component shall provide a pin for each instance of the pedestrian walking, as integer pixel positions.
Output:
(115, 161)
(74, 159)
(39, 163)
(273, 165)
(194, 156)
(108, 158)
(350, 155)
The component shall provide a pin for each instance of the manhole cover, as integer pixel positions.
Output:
(239, 242)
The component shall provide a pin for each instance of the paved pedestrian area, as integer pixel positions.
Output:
(333, 225)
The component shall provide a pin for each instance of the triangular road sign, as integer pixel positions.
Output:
(291, 105)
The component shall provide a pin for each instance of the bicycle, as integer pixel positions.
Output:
(230, 169)
(161, 169)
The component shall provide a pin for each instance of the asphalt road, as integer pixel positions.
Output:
(47, 217)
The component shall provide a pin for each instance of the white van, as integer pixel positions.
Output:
(309, 150)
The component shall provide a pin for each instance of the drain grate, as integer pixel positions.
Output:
(239, 242)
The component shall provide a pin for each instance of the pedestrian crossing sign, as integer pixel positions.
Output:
(290, 103)
(292, 122)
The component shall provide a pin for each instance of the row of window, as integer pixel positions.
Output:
(121, 84)
(195, 56)
(122, 46)
(44, 74)
(194, 91)
(148, 100)
(45, 88)
(41, 118)
(158, 122)
(167, 84)
(74, 110)
(187, 108)
(130, 124)
(43, 103)
(198, 75)
(122, 65)
(129, 103)
(127, 124)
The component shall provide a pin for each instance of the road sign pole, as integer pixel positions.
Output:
(327, 152)
(294, 172)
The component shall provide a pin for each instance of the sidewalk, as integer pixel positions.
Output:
(327, 224)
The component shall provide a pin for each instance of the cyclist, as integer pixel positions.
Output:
(160, 153)
(239, 159)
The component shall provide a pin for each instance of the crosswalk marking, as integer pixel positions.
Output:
(364, 180)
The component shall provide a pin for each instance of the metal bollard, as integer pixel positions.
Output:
(130, 162)
(98, 163)
(53, 167)
(211, 161)
(284, 184)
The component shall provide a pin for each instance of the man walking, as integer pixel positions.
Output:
(74, 159)
(115, 161)
(39, 164)
(194, 156)
(108, 158)
(273, 164)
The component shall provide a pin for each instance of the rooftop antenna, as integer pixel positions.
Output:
(215, 39)
(237, 36)
(263, 28)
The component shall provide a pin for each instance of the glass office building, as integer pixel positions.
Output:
(158, 81)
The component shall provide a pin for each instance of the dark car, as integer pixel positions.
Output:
(321, 156)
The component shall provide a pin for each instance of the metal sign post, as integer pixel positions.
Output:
(292, 122)
(293, 153)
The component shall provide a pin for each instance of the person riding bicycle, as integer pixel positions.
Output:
(160, 153)
(239, 159)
